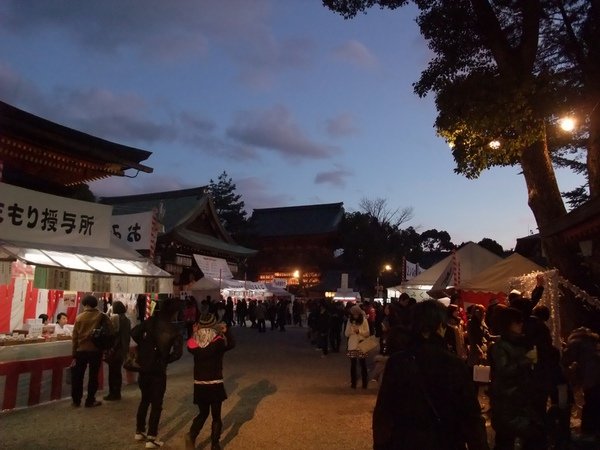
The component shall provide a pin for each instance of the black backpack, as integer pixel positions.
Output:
(101, 336)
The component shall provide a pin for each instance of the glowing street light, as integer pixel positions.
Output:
(567, 123)
(494, 145)
(378, 287)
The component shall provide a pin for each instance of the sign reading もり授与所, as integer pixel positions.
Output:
(35, 217)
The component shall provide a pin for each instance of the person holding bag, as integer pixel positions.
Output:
(357, 329)
(86, 353)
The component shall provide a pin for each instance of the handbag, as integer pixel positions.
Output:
(481, 374)
(368, 344)
(131, 362)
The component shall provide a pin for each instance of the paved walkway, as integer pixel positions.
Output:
(282, 395)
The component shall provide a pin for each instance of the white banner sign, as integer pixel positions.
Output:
(134, 229)
(216, 268)
(31, 216)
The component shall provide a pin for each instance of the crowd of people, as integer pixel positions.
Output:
(423, 365)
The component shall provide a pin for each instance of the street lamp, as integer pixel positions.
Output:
(567, 123)
(378, 287)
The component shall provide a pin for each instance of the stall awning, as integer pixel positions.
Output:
(117, 259)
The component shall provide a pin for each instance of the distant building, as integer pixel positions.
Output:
(190, 226)
(296, 243)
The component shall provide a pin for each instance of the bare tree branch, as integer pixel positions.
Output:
(378, 209)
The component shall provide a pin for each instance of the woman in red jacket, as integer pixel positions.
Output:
(208, 345)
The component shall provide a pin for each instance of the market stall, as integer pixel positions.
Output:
(53, 252)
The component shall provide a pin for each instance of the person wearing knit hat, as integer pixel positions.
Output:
(357, 329)
(208, 345)
(207, 321)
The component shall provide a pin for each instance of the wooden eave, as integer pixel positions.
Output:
(49, 151)
(580, 224)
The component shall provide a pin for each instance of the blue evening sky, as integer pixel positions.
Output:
(296, 104)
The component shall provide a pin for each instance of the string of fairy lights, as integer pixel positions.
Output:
(551, 298)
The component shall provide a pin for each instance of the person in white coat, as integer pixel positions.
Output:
(357, 329)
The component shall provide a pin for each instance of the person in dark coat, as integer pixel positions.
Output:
(419, 408)
(323, 326)
(512, 390)
(335, 328)
(116, 355)
(582, 357)
(152, 381)
(241, 311)
(282, 313)
(208, 346)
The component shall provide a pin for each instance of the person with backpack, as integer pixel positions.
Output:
(159, 344)
(427, 399)
(208, 345)
(86, 352)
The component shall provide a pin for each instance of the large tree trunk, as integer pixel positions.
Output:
(547, 206)
(593, 155)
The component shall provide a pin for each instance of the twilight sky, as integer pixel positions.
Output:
(298, 105)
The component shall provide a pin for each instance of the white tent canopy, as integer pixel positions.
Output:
(470, 258)
(203, 287)
(496, 278)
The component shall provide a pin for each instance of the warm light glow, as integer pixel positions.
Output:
(296, 274)
(68, 261)
(494, 145)
(387, 268)
(102, 265)
(37, 257)
(567, 123)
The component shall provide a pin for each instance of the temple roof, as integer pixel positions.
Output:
(175, 206)
(188, 216)
(35, 150)
(307, 220)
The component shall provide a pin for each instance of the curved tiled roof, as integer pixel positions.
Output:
(297, 220)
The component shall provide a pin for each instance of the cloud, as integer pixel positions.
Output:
(113, 24)
(194, 122)
(275, 129)
(121, 117)
(165, 32)
(341, 125)
(335, 177)
(355, 53)
(15, 89)
(257, 193)
(260, 59)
